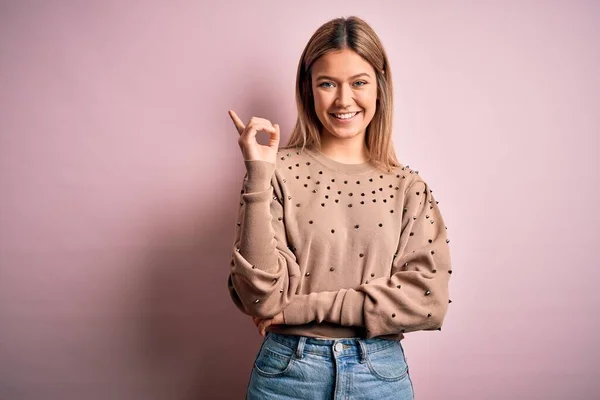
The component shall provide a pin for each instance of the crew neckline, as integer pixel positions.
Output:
(330, 163)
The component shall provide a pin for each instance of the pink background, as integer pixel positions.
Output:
(120, 175)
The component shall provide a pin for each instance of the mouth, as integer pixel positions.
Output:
(344, 117)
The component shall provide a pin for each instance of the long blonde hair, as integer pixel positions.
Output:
(355, 34)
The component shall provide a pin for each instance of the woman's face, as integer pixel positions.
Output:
(344, 83)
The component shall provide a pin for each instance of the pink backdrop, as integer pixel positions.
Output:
(120, 175)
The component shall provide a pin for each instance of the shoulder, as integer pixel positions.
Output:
(417, 184)
(406, 176)
(290, 158)
(290, 166)
(288, 153)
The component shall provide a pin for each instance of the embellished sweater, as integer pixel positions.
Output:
(342, 250)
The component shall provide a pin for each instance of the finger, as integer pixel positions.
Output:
(266, 125)
(259, 120)
(239, 125)
(263, 326)
(261, 125)
(274, 137)
(253, 128)
(279, 319)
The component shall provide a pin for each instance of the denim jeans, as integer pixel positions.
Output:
(300, 367)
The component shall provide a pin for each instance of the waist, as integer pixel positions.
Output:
(332, 347)
(325, 330)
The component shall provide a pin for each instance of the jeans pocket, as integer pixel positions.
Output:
(388, 364)
(274, 358)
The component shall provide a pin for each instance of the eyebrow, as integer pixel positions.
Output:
(333, 79)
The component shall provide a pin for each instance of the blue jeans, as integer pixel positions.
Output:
(300, 367)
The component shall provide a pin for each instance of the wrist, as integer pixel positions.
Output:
(259, 175)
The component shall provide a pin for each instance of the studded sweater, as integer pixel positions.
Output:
(342, 250)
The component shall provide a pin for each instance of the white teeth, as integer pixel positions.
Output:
(345, 116)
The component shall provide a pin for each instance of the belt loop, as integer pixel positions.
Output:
(363, 351)
(300, 348)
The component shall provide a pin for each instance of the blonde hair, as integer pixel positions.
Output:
(355, 34)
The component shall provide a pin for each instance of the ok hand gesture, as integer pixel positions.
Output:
(251, 149)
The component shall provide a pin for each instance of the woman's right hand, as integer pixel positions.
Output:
(251, 149)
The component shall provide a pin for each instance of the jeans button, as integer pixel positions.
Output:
(338, 347)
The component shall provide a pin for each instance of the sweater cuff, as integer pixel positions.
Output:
(297, 312)
(353, 309)
(259, 175)
(344, 307)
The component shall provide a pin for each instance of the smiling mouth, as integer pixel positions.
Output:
(345, 116)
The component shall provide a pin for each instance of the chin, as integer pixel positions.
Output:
(343, 133)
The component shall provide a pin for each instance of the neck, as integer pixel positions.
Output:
(350, 151)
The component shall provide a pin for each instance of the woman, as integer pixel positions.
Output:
(339, 248)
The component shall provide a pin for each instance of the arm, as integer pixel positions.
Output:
(414, 297)
(264, 273)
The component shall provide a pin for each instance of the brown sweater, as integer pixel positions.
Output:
(343, 250)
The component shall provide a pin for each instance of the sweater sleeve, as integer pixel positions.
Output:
(416, 294)
(263, 273)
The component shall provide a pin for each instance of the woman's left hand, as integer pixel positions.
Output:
(262, 324)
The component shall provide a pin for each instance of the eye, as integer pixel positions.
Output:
(363, 83)
(324, 83)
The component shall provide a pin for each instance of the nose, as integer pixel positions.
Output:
(344, 97)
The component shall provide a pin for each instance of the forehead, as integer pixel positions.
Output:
(341, 64)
